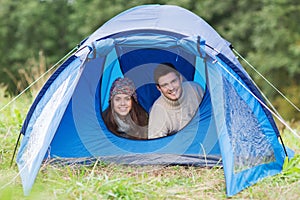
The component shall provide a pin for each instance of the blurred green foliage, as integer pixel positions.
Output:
(265, 32)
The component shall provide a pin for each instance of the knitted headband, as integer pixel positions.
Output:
(123, 86)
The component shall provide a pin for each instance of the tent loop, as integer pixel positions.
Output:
(216, 50)
(277, 90)
(93, 49)
(214, 61)
(177, 55)
(199, 48)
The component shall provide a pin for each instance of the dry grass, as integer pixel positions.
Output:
(33, 74)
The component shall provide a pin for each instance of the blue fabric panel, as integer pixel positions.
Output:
(82, 102)
(133, 57)
(66, 142)
(206, 139)
(110, 73)
(200, 76)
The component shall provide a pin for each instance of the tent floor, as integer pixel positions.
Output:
(145, 159)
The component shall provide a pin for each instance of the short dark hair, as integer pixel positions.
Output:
(163, 69)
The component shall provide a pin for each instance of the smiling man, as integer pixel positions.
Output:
(177, 103)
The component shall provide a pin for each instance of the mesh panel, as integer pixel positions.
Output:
(249, 144)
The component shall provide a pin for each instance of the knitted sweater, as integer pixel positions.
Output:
(167, 116)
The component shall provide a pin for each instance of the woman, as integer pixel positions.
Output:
(124, 116)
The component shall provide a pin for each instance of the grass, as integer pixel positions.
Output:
(110, 181)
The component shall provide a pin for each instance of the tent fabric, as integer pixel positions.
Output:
(231, 128)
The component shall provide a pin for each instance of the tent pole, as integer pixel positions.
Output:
(283, 146)
(12, 159)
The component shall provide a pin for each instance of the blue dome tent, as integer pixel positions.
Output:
(232, 127)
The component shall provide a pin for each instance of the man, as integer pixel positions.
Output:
(177, 103)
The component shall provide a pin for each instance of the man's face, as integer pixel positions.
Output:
(170, 86)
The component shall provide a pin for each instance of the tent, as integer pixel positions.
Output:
(232, 127)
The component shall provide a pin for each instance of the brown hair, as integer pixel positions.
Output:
(163, 69)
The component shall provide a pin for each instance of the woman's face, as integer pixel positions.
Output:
(122, 104)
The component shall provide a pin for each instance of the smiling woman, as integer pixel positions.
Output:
(124, 116)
